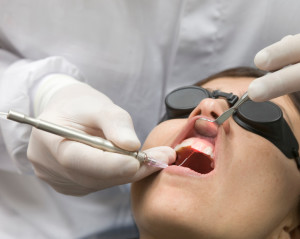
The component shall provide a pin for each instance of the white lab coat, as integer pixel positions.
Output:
(134, 51)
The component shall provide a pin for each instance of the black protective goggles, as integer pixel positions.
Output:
(262, 118)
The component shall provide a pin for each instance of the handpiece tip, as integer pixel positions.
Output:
(155, 163)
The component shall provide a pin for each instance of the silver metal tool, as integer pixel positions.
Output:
(94, 141)
(221, 119)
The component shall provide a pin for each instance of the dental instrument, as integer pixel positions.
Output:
(94, 141)
(221, 119)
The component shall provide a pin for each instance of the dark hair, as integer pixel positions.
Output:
(243, 71)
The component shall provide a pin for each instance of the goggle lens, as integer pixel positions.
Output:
(181, 102)
(259, 112)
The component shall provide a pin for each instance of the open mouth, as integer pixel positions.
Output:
(195, 146)
(196, 154)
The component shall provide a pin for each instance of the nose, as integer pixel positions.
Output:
(211, 109)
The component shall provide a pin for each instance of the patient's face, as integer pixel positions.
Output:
(252, 189)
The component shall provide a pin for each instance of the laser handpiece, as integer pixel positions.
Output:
(94, 141)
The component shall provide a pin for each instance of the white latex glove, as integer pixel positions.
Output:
(75, 168)
(283, 59)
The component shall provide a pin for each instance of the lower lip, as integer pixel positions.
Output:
(186, 172)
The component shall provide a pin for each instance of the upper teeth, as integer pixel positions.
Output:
(197, 144)
(208, 150)
(185, 143)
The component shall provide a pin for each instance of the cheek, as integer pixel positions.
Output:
(143, 199)
(260, 180)
(164, 133)
(255, 158)
(257, 153)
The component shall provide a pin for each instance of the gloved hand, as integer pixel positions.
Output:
(77, 169)
(282, 58)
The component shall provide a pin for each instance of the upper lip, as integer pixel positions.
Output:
(190, 130)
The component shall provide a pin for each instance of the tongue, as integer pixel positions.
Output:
(191, 158)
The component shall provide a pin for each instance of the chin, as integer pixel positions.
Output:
(163, 210)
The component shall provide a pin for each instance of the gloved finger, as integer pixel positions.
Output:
(275, 84)
(117, 127)
(279, 54)
(76, 169)
(92, 162)
(162, 154)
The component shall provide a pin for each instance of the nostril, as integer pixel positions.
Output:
(214, 115)
(198, 112)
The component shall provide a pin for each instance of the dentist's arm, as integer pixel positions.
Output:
(282, 59)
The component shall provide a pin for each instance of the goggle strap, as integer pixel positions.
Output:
(231, 98)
